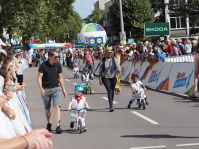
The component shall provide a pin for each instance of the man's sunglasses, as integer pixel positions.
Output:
(56, 56)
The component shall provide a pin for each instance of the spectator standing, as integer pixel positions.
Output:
(188, 47)
(175, 50)
(194, 44)
(168, 47)
(117, 86)
(100, 53)
(158, 56)
(180, 46)
(89, 59)
(33, 59)
(49, 78)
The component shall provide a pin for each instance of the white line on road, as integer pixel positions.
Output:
(150, 147)
(75, 83)
(67, 80)
(144, 117)
(107, 99)
(187, 144)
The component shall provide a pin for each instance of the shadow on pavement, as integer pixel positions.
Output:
(71, 131)
(156, 136)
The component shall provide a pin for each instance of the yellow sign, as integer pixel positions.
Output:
(99, 40)
(92, 41)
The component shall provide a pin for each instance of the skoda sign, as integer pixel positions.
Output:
(156, 29)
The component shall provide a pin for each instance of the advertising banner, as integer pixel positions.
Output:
(181, 78)
(125, 70)
(156, 29)
(137, 67)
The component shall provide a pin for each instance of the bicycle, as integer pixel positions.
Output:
(87, 87)
(78, 118)
(76, 75)
(141, 100)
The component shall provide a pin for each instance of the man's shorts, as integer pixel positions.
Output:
(89, 66)
(53, 94)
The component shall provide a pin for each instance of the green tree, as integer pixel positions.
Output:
(158, 6)
(96, 16)
(40, 19)
(189, 9)
(135, 14)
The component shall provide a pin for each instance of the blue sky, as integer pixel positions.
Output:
(84, 7)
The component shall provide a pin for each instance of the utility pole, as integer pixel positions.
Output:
(121, 17)
(122, 33)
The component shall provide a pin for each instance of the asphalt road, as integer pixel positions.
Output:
(169, 121)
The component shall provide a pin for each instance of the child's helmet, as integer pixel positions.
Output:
(76, 64)
(79, 87)
(135, 74)
(86, 69)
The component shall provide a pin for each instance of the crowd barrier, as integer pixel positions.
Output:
(172, 77)
(181, 58)
(21, 124)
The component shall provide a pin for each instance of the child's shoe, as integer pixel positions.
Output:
(71, 124)
(129, 105)
(146, 102)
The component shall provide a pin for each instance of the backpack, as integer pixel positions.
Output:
(113, 62)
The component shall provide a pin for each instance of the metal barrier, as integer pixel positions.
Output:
(180, 59)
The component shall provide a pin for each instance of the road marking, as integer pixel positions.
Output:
(144, 117)
(107, 100)
(187, 144)
(150, 147)
(75, 83)
(67, 80)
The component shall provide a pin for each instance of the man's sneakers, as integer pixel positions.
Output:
(48, 127)
(71, 124)
(58, 130)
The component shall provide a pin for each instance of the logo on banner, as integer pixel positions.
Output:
(180, 80)
(123, 71)
(154, 76)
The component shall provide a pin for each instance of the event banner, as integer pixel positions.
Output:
(168, 76)
(181, 78)
(125, 70)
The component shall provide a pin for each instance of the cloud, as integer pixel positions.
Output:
(84, 7)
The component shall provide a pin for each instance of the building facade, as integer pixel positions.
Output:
(100, 4)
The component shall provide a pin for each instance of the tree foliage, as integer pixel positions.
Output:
(158, 6)
(189, 9)
(41, 19)
(135, 14)
(96, 16)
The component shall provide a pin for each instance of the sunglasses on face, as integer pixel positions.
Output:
(56, 57)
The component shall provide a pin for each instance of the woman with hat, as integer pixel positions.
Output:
(107, 74)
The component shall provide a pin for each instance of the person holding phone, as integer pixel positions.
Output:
(51, 83)
(19, 73)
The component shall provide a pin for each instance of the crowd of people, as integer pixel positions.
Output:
(41, 55)
(145, 51)
(15, 126)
